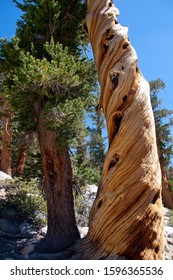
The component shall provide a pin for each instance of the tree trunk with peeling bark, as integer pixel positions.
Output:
(58, 181)
(6, 141)
(166, 193)
(21, 160)
(24, 142)
(126, 218)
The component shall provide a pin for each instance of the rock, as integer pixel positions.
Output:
(27, 250)
(39, 215)
(170, 241)
(43, 231)
(26, 257)
(91, 189)
(167, 249)
(165, 212)
(170, 235)
(4, 176)
(166, 221)
(8, 226)
(169, 231)
(27, 230)
(83, 231)
(56, 256)
(167, 258)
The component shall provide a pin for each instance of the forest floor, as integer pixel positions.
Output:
(17, 241)
(11, 246)
(19, 248)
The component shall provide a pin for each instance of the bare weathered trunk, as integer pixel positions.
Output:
(57, 170)
(126, 218)
(167, 194)
(6, 142)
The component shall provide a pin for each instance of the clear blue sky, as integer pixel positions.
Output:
(150, 24)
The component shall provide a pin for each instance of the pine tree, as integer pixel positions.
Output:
(45, 85)
(43, 19)
(163, 122)
(96, 143)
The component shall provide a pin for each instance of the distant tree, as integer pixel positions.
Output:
(6, 132)
(90, 147)
(6, 148)
(170, 177)
(24, 142)
(96, 142)
(163, 121)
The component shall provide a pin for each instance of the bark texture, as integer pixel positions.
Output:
(57, 169)
(126, 218)
(24, 143)
(21, 160)
(166, 193)
(6, 141)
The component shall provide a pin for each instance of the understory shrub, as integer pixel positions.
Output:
(24, 201)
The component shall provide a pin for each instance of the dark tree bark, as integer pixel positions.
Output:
(58, 181)
(6, 142)
(21, 160)
(166, 193)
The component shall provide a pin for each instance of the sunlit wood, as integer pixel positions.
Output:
(126, 218)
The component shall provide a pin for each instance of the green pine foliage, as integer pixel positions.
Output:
(89, 152)
(97, 140)
(44, 69)
(44, 19)
(163, 121)
(60, 85)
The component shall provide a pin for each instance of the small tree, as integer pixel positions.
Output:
(163, 122)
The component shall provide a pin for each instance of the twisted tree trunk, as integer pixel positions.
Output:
(126, 218)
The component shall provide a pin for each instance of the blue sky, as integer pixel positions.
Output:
(150, 25)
